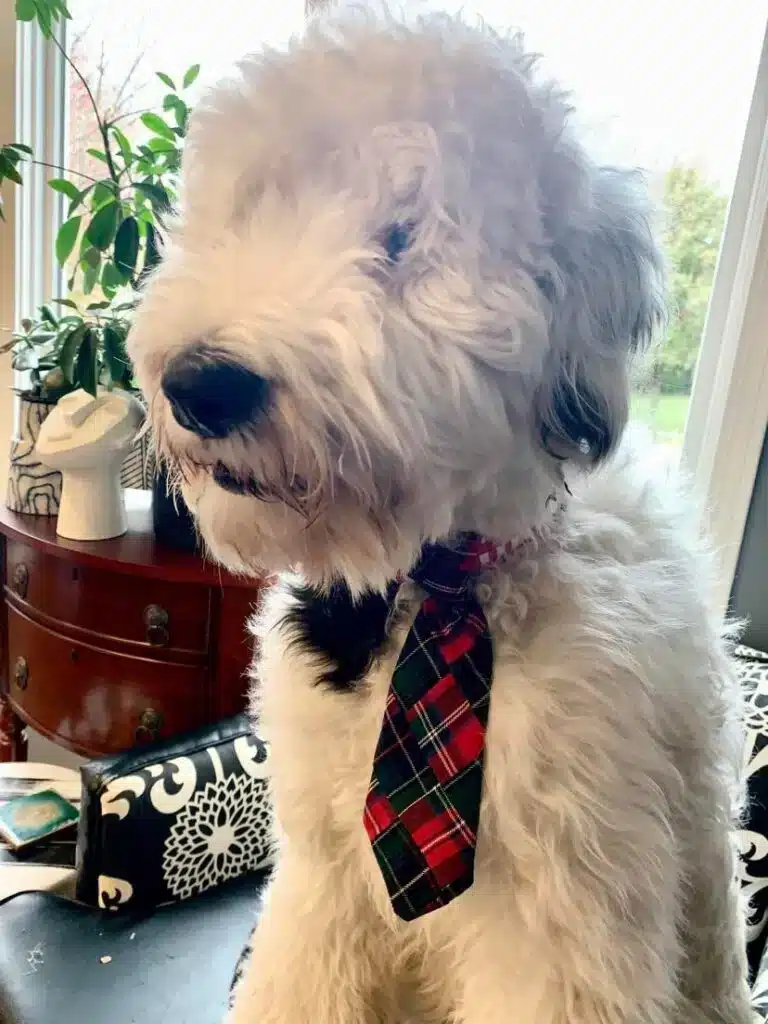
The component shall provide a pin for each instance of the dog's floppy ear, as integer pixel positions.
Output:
(605, 298)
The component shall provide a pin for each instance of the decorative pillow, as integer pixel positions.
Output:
(760, 993)
(753, 837)
(170, 820)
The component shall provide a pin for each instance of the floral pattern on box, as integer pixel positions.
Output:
(156, 829)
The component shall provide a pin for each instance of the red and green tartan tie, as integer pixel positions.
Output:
(423, 803)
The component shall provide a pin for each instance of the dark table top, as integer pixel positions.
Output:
(136, 553)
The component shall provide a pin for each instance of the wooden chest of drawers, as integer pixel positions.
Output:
(110, 644)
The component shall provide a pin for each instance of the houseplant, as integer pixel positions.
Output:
(53, 355)
(109, 240)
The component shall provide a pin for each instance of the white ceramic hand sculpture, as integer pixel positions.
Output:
(87, 439)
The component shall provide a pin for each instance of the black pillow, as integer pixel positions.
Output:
(167, 821)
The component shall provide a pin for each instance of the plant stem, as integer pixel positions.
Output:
(131, 113)
(66, 170)
(101, 124)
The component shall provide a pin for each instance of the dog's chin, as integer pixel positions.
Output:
(251, 530)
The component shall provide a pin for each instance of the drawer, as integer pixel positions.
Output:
(152, 613)
(96, 701)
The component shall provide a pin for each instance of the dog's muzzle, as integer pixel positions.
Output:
(210, 394)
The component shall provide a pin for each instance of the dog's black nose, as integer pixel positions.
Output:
(211, 394)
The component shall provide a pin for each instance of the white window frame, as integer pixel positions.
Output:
(7, 134)
(7, 229)
(40, 122)
(728, 413)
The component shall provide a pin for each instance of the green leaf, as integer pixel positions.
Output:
(162, 146)
(144, 216)
(91, 270)
(67, 188)
(166, 79)
(86, 373)
(68, 352)
(90, 279)
(126, 152)
(103, 227)
(66, 238)
(47, 316)
(115, 356)
(80, 199)
(44, 19)
(93, 306)
(190, 75)
(66, 302)
(111, 278)
(151, 251)
(179, 108)
(21, 148)
(173, 161)
(7, 170)
(98, 154)
(127, 246)
(156, 194)
(103, 192)
(156, 124)
(90, 256)
(25, 10)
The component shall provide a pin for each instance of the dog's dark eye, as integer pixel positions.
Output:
(396, 240)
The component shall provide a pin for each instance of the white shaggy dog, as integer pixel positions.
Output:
(399, 304)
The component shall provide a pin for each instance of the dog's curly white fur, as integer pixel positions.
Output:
(446, 391)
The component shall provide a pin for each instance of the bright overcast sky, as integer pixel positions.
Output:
(656, 80)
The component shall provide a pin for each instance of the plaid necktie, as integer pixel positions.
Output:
(423, 803)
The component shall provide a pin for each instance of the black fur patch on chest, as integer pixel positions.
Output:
(347, 633)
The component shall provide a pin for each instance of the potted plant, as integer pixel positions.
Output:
(108, 242)
(53, 355)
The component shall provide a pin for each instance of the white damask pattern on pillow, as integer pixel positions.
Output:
(753, 838)
(222, 832)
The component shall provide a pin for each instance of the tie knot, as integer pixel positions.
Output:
(446, 570)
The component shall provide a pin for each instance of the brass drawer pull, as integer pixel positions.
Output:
(21, 673)
(156, 624)
(20, 581)
(150, 724)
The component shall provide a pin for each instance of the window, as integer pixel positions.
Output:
(116, 57)
(665, 87)
(120, 53)
(679, 89)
